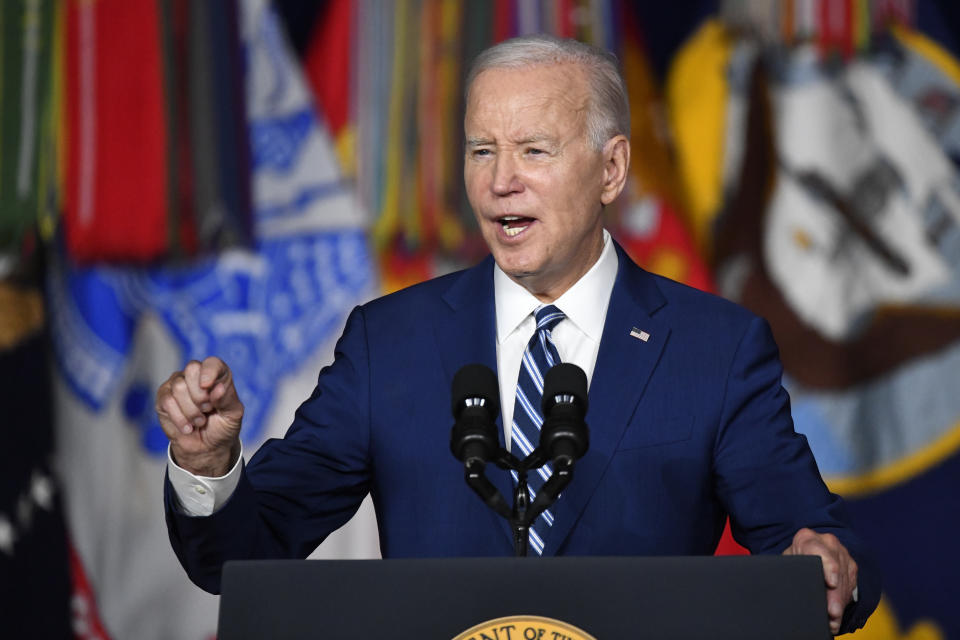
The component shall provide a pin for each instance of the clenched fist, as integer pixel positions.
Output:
(201, 414)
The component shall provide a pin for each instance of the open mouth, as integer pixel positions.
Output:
(514, 225)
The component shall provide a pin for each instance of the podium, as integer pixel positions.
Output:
(716, 598)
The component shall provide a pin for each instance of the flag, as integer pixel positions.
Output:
(26, 102)
(829, 201)
(272, 313)
(34, 575)
(116, 200)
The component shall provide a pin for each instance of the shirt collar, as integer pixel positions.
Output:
(585, 303)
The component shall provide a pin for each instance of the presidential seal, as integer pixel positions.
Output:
(524, 628)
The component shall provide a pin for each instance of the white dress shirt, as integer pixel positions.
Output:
(577, 338)
(200, 495)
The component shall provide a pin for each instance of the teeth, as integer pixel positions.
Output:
(511, 226)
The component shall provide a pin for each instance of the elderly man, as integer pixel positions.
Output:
(689, 420)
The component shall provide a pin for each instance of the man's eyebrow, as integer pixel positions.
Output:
(535, 138)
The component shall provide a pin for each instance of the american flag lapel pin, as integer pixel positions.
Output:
(640, 335)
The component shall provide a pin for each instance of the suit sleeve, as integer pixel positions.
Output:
(765, 472)
(294, 491)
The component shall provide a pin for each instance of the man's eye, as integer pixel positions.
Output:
(534, 151)
(480, 153)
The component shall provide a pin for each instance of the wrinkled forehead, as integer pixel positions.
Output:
(551, 91)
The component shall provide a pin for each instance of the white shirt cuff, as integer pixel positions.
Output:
(200, 495)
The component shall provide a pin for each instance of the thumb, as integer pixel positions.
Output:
(225, 400)
(213, 370)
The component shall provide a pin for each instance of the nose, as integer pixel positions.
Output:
(506, 179)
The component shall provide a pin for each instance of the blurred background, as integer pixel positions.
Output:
(183, 178)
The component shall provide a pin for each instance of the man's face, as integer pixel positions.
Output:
(535, 184)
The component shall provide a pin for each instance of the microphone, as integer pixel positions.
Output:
(564, 437)
(475, 404)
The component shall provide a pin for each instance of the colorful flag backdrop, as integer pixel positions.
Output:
(389, 77)
(156, 160)
(389, 81)
(803, 149)
(819, 146)
(272, 311)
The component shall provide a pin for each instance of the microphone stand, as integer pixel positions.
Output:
(518, 519)
(523, 513)
(564, 438)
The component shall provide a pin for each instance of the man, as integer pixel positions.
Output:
(688, 419)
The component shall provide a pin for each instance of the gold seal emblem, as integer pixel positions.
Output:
(524, 628)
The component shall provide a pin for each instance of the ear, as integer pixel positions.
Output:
(616, 162)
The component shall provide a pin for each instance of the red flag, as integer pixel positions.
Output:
(328, 63)
(116, 199)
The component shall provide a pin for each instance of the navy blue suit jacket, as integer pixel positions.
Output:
(685, 428)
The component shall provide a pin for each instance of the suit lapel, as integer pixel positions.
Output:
(465, 329)
(624, 364)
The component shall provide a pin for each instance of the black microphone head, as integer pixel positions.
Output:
(564, 379)
(564, 435)
(475, 381)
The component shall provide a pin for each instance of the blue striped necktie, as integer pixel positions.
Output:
(539, 356)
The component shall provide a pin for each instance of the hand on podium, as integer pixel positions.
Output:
(839, 569)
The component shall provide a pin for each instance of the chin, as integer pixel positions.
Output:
(514, 268)
(520, 274)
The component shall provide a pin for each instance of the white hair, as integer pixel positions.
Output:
(608, 111)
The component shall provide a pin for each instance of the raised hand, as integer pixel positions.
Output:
(201, 414)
